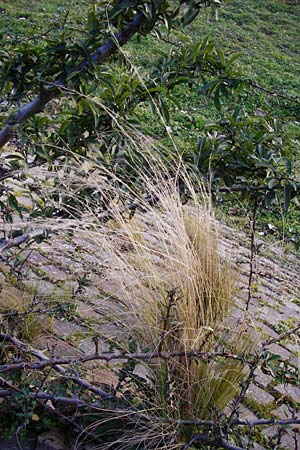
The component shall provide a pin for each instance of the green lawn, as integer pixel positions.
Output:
(22, 19)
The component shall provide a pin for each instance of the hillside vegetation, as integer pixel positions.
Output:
(264, 35)
(150, 224)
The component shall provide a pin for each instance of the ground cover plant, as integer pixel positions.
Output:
(82, 116)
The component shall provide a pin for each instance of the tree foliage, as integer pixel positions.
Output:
(68, 95)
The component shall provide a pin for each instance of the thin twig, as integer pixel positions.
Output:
(239, 422)
(281, 337)
(213, 443)
(252, 252)
(54, 398)
(107, 357)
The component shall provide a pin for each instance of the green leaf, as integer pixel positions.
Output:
(288, 165)
(208, 87)
(221, 56)
(272, 183)
(164, 111)
(217, 99)
(189, 16)
(233, 58)
(93, 24)
(287, 197)
(13, 204)
(173, 100)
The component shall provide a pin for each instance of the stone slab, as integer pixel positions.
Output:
(51, 440)
(262, 379)
(259, 395)
(292, 392)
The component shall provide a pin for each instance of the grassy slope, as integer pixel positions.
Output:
(25, 18)
(267, 32)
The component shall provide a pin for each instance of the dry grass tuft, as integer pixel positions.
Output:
(176, 293)
(172, 292)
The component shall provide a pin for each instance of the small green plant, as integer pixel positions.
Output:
(17, 307)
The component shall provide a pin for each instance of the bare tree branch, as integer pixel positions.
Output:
(282, 336)
(213, 443)
(54, 398)
(247, 423)
(107, 357)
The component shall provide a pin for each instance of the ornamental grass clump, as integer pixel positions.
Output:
(173, 294)
(165, 288)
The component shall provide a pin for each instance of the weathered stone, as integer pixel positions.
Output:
(261, 378)
(293, 346)
(257, 446)
(291, 440)
(85, 310)
(266, 331)
(65, 328)
(284, 412)
(270, 432)
(246, 414)
(44, 287)
(88, 346)
(259, 395)
(98, 375)
(270, 315)
(295, 361)
(55, 347)
(292, 392)
(35, 257)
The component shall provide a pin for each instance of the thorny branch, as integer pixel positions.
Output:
(252, 251)
(107, 357)
(212, 433)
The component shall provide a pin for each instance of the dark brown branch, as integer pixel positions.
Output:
(253, 251)
(281, 337)
(213, 443)
(101, 54)
(54, 398)
(274, 93)
(108, 357)
(244, 388)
